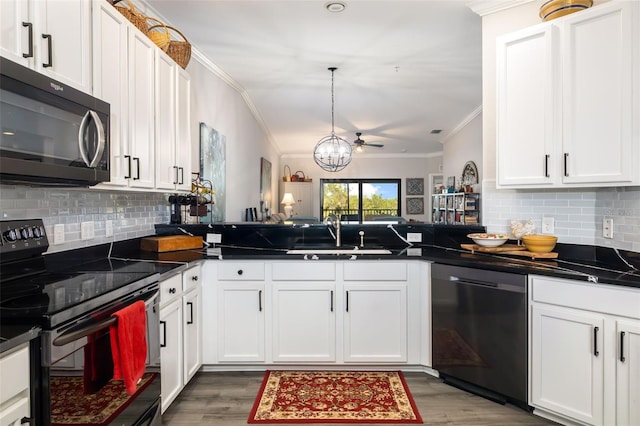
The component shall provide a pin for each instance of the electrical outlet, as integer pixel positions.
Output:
(214, 238)
(414, 237)
(58, 234)
(548, 225)
(607, 227)
(108, 228)
(86, 230)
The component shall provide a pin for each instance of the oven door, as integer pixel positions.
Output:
(77, 371)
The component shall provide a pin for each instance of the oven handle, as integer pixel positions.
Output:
(83, 332)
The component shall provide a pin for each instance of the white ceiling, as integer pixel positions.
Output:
(404, 67)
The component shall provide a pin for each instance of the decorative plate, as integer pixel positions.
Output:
(470, 174)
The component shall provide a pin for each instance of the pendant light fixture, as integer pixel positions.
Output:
(332, 153)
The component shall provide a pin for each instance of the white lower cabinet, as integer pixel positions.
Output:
(14, 392)
(585, 351)
(315, 312)
(180, 332)
(304, 322)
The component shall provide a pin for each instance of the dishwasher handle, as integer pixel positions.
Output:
(497, 284)
(472, 282)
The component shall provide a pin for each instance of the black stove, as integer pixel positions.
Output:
(47, 290)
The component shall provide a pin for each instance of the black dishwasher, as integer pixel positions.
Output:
(479, 334)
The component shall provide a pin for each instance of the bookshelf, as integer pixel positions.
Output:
(458, 208)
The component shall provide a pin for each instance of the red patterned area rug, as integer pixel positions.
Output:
(71, 406)
(304, 397)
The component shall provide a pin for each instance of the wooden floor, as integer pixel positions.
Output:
(224, 398)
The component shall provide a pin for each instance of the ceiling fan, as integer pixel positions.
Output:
(359, 143)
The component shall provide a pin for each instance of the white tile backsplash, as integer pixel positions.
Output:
(578, 213)
(133, 214)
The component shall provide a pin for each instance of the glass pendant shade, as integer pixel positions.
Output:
(332, 153)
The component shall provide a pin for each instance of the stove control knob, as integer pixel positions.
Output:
(26, 233)
(37, 232)
(11, 235)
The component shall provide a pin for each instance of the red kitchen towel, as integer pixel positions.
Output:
(129, 344)
(98, 362)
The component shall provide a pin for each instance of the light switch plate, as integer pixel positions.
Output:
(414, 237)
(548, 225)
(214, 238)
(607, 227)
(58, 234)
(86, 230)
(108, 228)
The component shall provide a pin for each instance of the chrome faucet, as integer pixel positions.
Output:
(334, 220)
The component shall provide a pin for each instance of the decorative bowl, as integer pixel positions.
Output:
(489, 240)
(556, 8)
(539, 243)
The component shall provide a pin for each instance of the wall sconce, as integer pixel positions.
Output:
(288, 202)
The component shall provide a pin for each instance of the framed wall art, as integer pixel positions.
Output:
(415, 186)
(213, 167)
(415, 205)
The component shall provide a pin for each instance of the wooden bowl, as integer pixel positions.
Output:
(539, 243)
(557, 8)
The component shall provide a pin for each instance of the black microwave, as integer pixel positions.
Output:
(52, 134)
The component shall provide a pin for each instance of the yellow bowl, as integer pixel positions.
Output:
(557, 8)
(539, 243)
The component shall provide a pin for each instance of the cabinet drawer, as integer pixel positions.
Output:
(170, 288)
(241, 271)
(608, 299)
(16, 366)
(375, 271)
(304, 271)
(191, 278)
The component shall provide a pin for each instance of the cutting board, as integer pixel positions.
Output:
(170, 243)
(511, 249)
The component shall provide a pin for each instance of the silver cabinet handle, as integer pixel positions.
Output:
(101, 139)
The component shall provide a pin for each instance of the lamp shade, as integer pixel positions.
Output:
(288, 199)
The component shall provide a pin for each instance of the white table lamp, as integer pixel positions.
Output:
(288, 202)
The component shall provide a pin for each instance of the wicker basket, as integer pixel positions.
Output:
(131, 13)
(159, 34)
(179, 50)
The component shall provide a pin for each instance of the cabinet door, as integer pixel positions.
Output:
(304, 322)
(15, 25)
(628, 372)
(241, 309)
(192, 328)
(166, 170)
(598, 109)
(171, 348)
(68, 23)
(527, 76)
(375, 322)
(183, 129)
(141, 160)
(567, 363)
(110, 29)
(303, 194)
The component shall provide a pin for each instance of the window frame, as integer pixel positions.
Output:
(360, 182)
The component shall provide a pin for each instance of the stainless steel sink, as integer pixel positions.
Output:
(337, 250)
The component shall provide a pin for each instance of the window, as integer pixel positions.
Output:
(360, 200)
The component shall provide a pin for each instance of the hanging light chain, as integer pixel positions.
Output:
(332, 69)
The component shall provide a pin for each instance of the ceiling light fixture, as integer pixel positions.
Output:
(335, 6)
(332, 153)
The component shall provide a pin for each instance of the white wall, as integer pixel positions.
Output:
(222, 107)
(369, 167)
(463, 146)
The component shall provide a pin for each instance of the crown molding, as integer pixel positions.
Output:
(476, 112)
(487, 7)
(364, 156)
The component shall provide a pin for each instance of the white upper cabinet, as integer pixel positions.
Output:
(173, 150)
(567, 113)
(52, 37)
